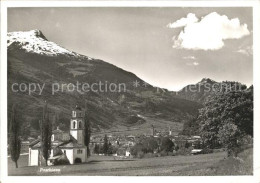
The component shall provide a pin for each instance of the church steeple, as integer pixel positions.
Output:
(77, 124)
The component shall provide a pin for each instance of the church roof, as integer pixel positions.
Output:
(72, 143)
(78, 108)
(37, 144)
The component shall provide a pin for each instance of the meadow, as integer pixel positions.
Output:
(197, 165)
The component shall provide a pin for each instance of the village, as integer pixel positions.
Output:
(123, 144)
(69, 148)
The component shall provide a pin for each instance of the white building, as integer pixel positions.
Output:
(127, 152)
(70, 145)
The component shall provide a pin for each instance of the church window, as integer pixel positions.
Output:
(80, 125)
(52, 137)
(74, 124)
(74, 114)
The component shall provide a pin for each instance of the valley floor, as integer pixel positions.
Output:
(207, 164)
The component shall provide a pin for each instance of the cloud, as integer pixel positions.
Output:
(191, 18)
(209, 33)
(189, 58)
(192, 63)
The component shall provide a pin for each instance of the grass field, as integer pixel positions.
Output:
(207, 164)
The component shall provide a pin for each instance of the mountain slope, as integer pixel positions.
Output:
(34, 59)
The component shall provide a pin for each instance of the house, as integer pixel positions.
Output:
(24, 146)
(196, 151)
(128, 152)
(68, 144)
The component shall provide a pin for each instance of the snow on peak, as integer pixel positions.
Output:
(34, 41)
(38, 33)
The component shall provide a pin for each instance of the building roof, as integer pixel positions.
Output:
(33, 143)
(37, 144)
(71, 143)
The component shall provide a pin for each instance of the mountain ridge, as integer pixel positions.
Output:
(107, 110)
(200, 91)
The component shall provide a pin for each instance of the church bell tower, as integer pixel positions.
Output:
(77, 125)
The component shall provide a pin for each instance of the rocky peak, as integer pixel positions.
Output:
(206, 80)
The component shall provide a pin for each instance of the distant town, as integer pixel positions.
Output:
(117, 145)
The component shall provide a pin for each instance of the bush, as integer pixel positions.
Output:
(163, 153)
(167, 145)
(174, 153)
(150, 155)
(57, 151)
(217, 150)
(170, 153)
(184, 151)
(140, 154)
(136, 149)
(62, 160)
(207, 151)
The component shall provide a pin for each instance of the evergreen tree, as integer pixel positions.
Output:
(46, 132)
(96, 149)
(105, 146)
(14, 139)
(87, 129)
(25, 130)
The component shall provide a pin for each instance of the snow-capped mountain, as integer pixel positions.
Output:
(35, 42)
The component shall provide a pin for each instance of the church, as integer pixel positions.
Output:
(69, 145)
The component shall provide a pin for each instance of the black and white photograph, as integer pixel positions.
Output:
(133, 90)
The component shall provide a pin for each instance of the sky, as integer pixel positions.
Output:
(168, 47)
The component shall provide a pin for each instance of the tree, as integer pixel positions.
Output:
(96, 149)
(191, 127)
(25, 130)
(14, 139)
(87, 131)
(46, 132)
(226, 119)
(137, 148)
(55, 121)
(187, 144)
(105, 146)
(166, 144)
(149, 145)
(110, 149)
(229, 135)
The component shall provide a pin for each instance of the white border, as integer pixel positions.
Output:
(135, 3)
(3, 86)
